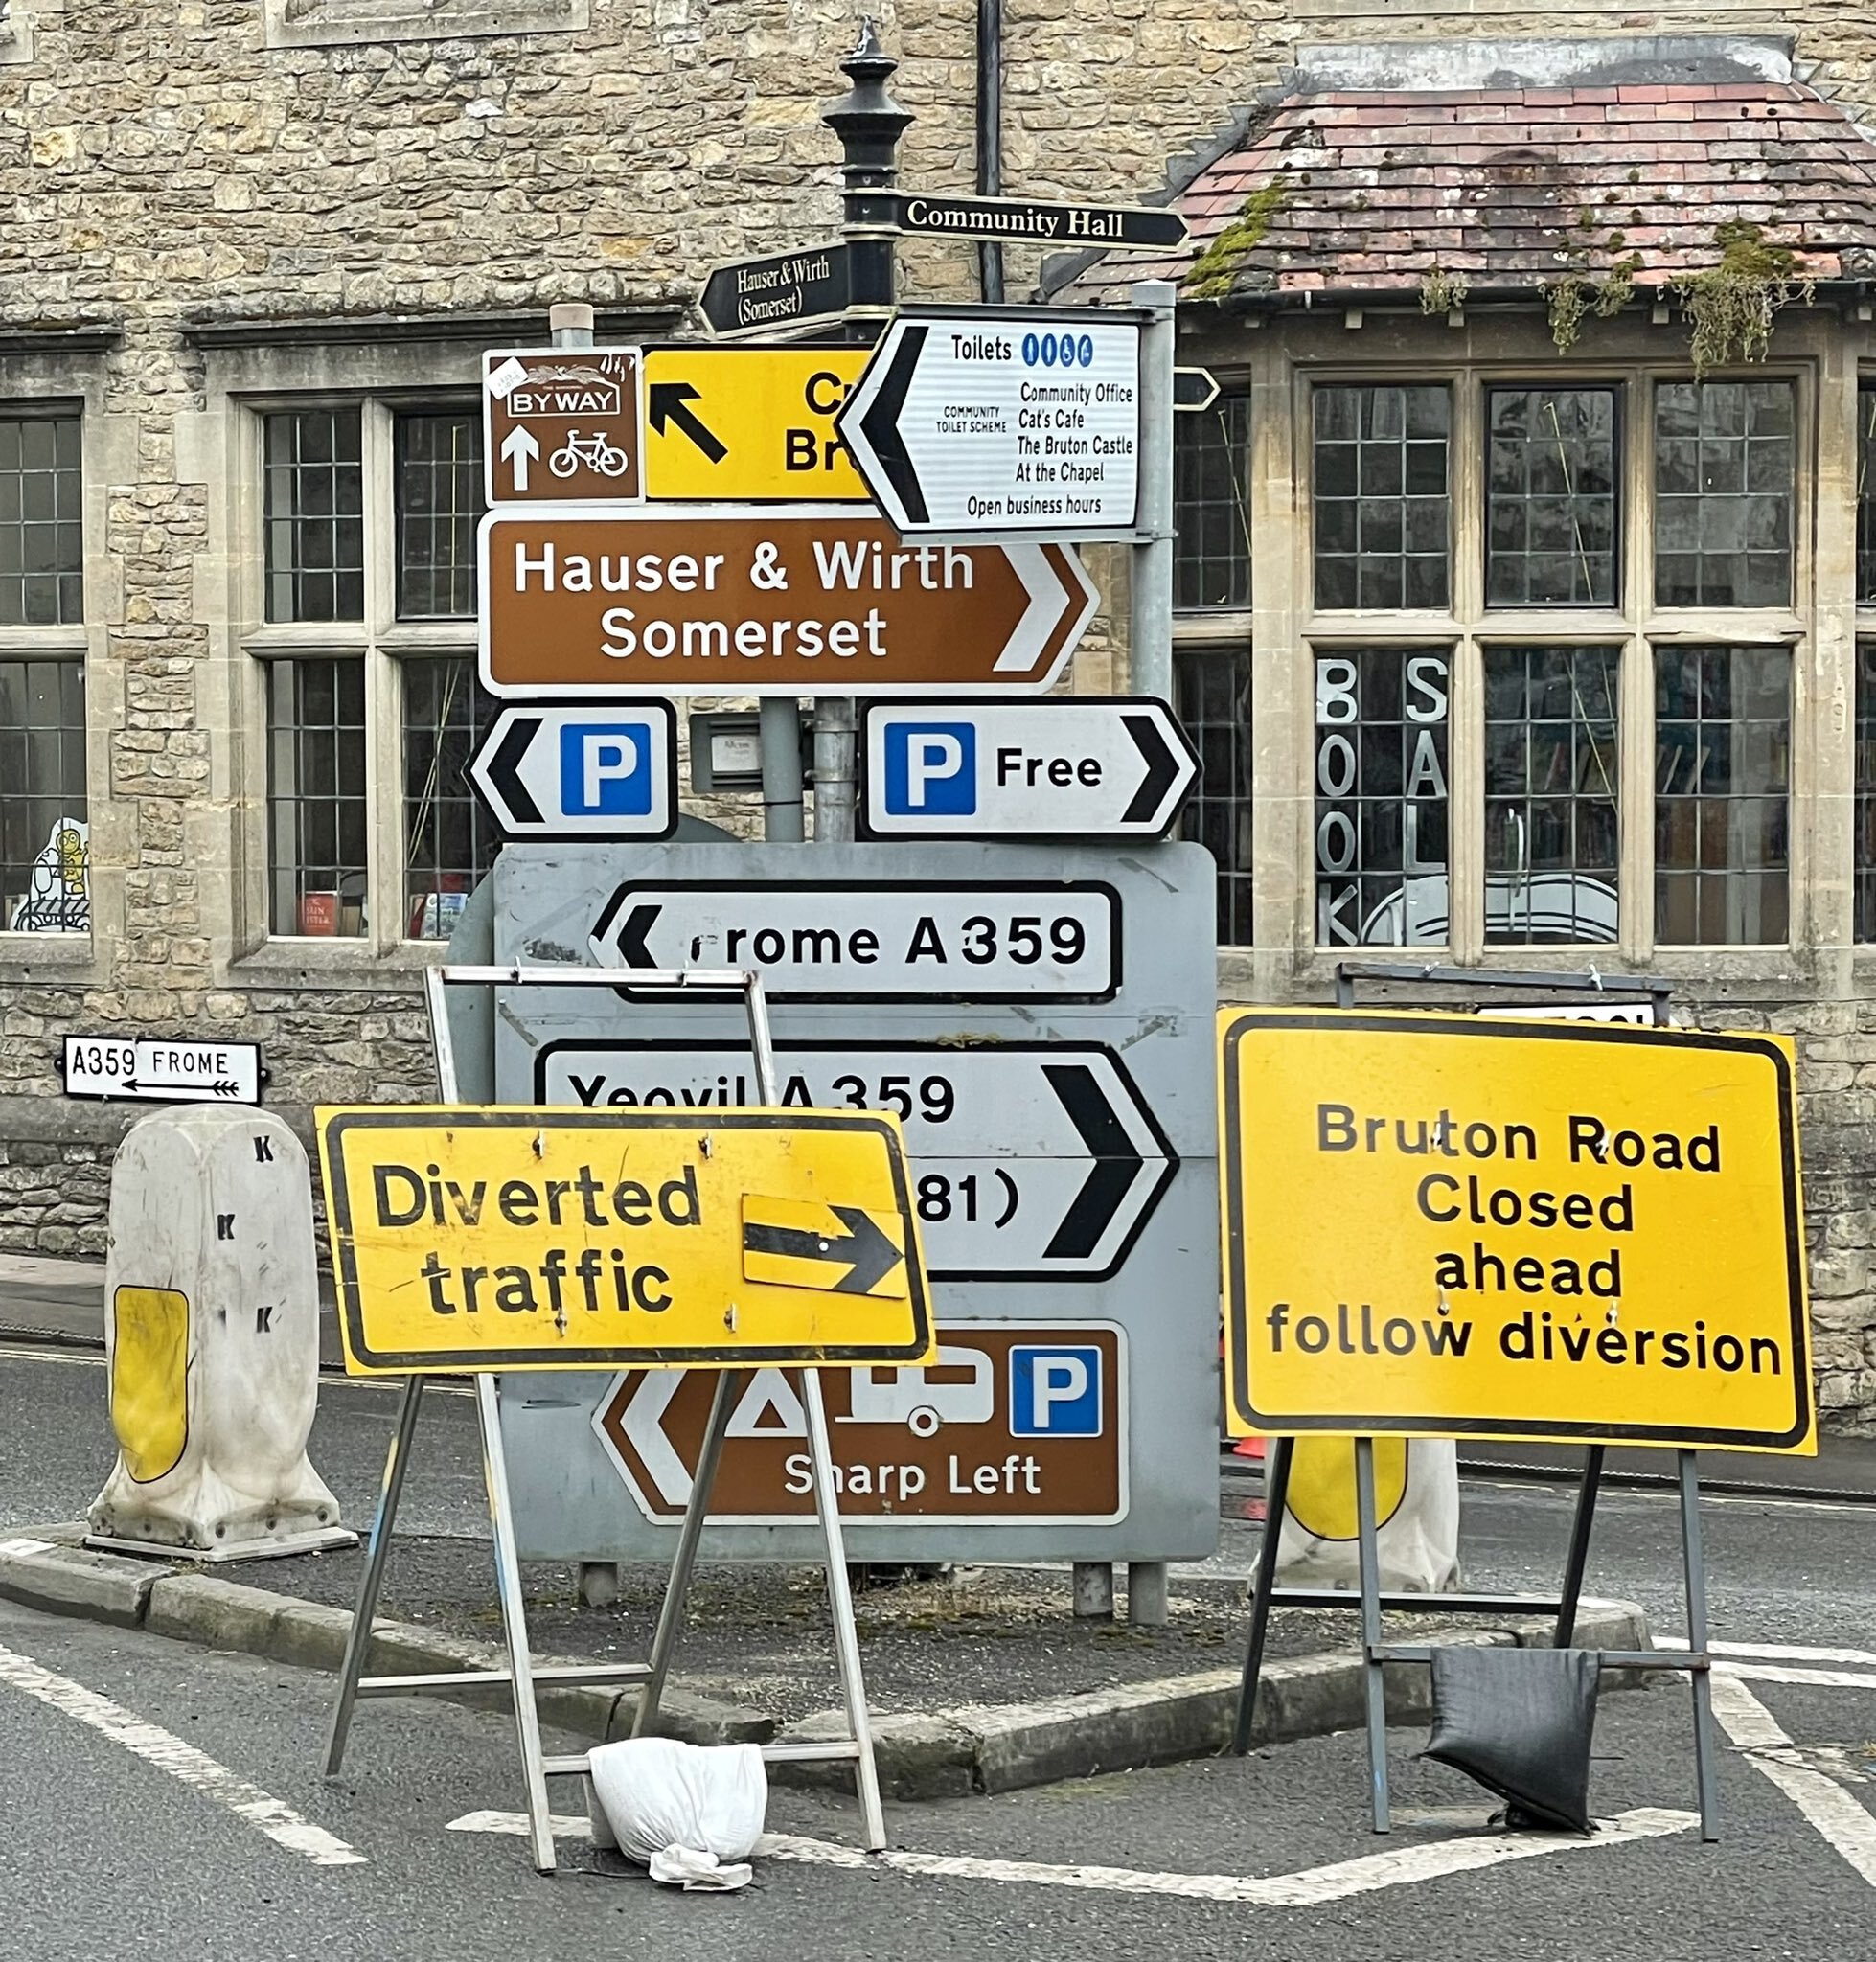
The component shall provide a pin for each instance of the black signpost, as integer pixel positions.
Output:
(787, 289)
(1112, 228)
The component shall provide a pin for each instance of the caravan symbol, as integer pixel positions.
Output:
(959, 1389)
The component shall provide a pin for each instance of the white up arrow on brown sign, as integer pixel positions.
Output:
(792, 600)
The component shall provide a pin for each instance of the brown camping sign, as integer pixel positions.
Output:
(786, 600)
(1015, 1424)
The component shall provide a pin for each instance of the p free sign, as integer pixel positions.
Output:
(1439, 1225)
(523, 1239)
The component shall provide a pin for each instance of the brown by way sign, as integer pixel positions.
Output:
(560, 424)
(1017, 1422)
(783, 599)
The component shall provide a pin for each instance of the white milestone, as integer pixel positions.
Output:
(211, 1330)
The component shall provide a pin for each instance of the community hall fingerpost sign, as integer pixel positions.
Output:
(1441, 1224)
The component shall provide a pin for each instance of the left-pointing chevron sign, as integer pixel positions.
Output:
(592, 771)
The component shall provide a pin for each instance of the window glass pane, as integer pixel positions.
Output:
(1552, 855)
(316, 797)
(1381, 810)
(1867, 496)
(1550, 498)
(1722, 783)
(439, 503)
(1213, 691)
(449, 839)
(1723, 493)
(1381, 497)
(316, 528)
(1211, 558)
(42, 533)
(1866, 813)
(44, 827)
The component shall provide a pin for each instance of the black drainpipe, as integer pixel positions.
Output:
(990, 136)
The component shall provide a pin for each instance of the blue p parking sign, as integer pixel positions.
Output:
(931, 769)
(1055, 1392)
(604, 769)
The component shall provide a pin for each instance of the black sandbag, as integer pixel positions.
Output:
(1520, 1721)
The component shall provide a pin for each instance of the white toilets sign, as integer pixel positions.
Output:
(154, 1071)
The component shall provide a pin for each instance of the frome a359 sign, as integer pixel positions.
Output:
(1438, 1224)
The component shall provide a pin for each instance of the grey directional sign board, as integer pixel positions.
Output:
(1023, 425)
(1113, 228)
(1080, 766)
(912, 938)
(1064, 1155)
(1036, 1161)
(159, 1071)
(786, 289)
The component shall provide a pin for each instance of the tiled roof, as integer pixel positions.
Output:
(1367, 192)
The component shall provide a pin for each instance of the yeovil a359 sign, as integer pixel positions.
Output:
(1438, 1224)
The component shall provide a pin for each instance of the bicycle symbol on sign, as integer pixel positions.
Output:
(593, 451)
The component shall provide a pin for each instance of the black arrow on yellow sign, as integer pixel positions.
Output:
(865, 1251)
(669, 402)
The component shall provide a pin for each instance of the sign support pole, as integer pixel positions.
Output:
(1149, 628)
(521, 1676)
(1697, 1651)
(1374, 1683)
(869, 124)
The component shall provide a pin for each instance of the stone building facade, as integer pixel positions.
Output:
(256, 247)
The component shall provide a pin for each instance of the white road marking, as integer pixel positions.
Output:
(279, 1821)
(1400, 1866)
(1847, 1827)
(1777, 1652)
(1783, 1671)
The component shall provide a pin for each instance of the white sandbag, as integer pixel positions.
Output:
(662, 1797)
(1416, 1505)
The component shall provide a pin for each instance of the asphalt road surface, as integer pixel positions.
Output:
(164, 1801)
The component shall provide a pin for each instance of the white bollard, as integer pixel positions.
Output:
(1416, 1511)
(212, 1330)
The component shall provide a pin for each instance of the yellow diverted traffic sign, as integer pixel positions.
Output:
(1439, 1225)
(748, 424)
(491, 1238)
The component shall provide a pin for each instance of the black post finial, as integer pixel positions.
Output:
(869, 124)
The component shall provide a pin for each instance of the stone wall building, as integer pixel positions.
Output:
(1520, 583)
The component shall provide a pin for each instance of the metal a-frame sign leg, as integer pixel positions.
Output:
(1370, 1600)
(521, 1676)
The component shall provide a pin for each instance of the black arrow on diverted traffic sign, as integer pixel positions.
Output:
(668, 403)
(505, 770)
(866, 1252)
(879, 426)
(1162, 767)
(1116, 1163)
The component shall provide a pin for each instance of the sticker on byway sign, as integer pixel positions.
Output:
(884, 940)
(1081, 768)
(152, 1071)
(1032, 1161)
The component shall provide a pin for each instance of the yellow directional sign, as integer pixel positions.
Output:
(746, 423)
(491, 1238)
(1440, 1224)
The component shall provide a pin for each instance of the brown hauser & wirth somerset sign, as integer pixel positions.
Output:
(794, 599)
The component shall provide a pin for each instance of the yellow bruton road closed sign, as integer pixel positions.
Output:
(489, 1238)
(1439, 1225)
